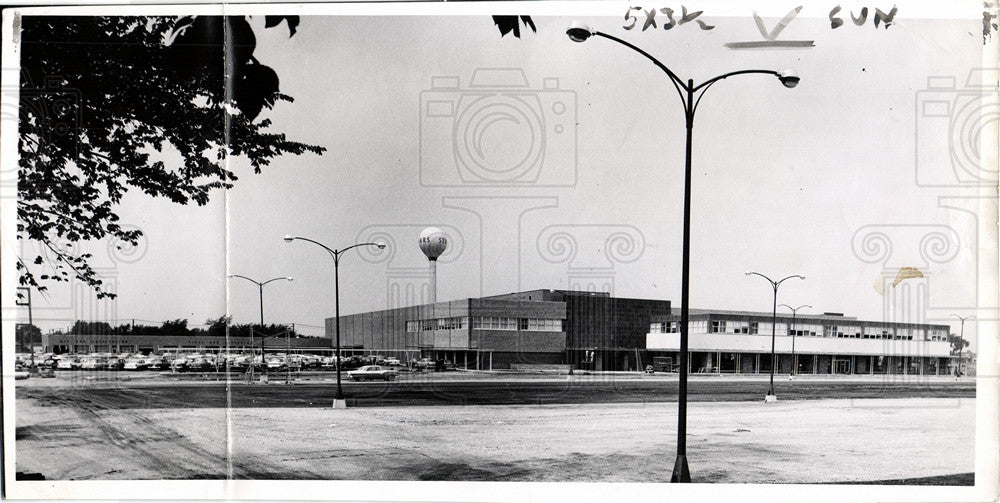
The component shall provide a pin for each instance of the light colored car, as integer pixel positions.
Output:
(373, 372)
(178, 363)
(66, 362)
(156, 362)
(135, 363)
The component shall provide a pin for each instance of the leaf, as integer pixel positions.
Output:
(508, 24)
(256, 86)
(272, 21)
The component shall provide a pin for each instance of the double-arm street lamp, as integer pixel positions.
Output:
(961, 341)
(690, 95)
(260, 288)
(794, 310)
(774, 322)
(338, 401)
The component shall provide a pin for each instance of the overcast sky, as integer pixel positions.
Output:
(819, 180)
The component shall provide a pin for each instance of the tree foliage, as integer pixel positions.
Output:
(512, 24)
(216, 327)
(957, 343)
(26, 334)
(103, 100)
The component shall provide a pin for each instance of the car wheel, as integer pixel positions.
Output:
(390, 377)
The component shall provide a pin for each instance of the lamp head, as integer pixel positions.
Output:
(288, 238)
(289, 278)
(788, 78)
(380, 246)
(578, 32)
(749, 273)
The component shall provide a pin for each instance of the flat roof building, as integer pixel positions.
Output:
(830, 343)
(536, 327)
(595, 331)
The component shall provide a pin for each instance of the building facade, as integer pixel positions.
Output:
(536, 327)
(740, 343)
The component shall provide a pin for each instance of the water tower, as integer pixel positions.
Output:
(433, 243)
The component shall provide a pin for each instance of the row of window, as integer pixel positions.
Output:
(487, 323)
(506, 323)
(807, 330)
(453, 323)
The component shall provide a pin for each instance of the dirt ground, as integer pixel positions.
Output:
(834, 440)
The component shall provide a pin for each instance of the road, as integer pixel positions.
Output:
(539, 391)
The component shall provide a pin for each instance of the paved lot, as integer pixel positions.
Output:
(541, 430)
(123, 390)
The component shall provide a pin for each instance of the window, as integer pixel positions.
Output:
(718, 327)
(522, 324)
(754, 327)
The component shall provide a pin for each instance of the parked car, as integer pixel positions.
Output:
(328, 362)
(276, 362)
(135, 363)
(67, 363)
(178, 363)
(373, 372)
(424, 363)
(154, 362)
(394, 362)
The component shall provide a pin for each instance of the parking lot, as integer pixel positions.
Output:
(612, 427)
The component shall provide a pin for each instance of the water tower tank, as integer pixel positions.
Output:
(433, 242)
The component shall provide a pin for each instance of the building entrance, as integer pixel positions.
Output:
(842, 366)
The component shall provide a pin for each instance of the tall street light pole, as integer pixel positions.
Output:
(961, 343)
(338, 402)
(690, 95)
(31, 324)
(794, 310)
(774, 322)
(260, 287)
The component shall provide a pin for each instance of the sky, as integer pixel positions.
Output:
(560, 165)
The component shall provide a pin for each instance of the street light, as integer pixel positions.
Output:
(774, 322)
(579, 33)
(961, 344)
(31, 325)
(338, 401)
(794, 310)
(260, 287)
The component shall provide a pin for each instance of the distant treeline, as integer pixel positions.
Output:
(216, 328)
